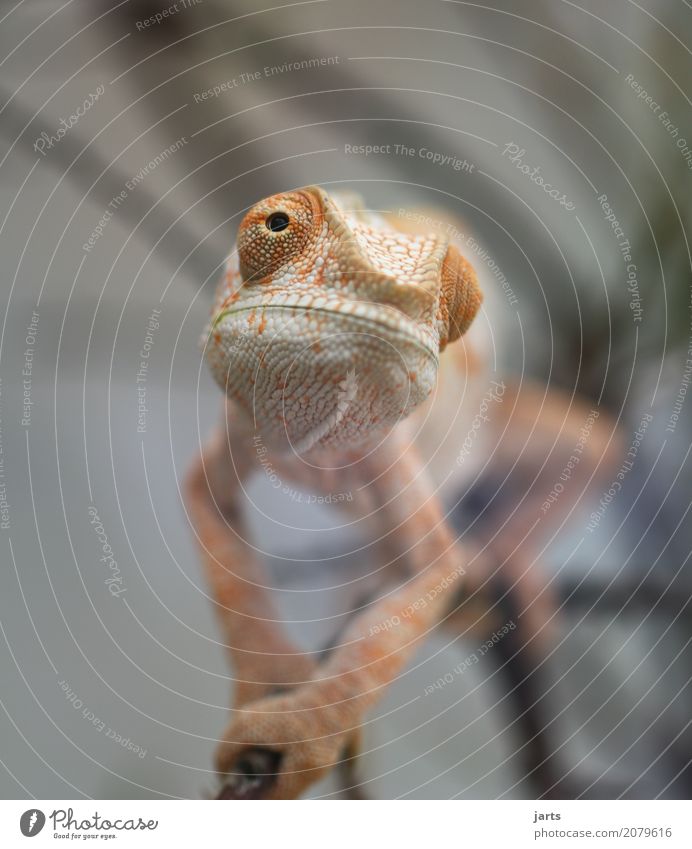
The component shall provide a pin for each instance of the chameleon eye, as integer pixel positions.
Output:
(273, 232)
(277, 221)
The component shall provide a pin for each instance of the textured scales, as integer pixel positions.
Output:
(325, 333)
(335, 293)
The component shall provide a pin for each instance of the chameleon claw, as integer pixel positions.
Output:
(254, 773)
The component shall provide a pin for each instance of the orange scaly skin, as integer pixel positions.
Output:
(325, 335)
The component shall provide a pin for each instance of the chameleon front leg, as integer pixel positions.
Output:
(302, 733)
(264, 658)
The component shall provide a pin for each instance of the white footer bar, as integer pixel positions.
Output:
(204, 824)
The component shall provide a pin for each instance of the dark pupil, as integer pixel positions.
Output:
(277, 221)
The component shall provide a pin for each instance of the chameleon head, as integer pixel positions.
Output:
(328, 324)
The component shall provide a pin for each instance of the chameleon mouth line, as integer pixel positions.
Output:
(412, 336)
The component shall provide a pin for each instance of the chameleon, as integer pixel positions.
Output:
(325, 334)
(331, 335)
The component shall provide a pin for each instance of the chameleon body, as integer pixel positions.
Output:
(325, 334)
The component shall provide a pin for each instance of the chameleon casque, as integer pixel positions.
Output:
(326, 334)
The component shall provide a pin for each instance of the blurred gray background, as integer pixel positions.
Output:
(456, 78)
